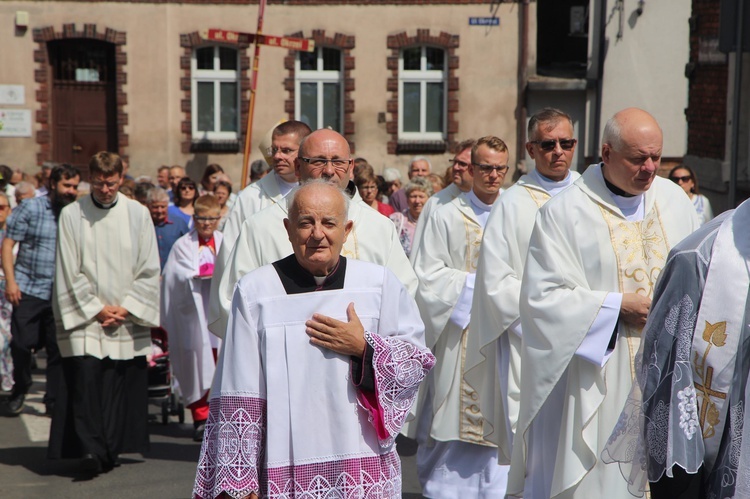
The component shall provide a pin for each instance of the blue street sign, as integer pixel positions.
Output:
(484, 21)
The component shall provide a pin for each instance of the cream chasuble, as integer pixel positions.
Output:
(106, 257)
(582, 249)
(447, 258)
(434, 202)
(493, 358)
(263, 240)
(250, 200)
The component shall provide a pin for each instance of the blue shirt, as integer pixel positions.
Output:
(167, 233)
(175, 213)
(33, 226)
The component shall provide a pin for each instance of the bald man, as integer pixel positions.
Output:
(595, 253)
(262, 239)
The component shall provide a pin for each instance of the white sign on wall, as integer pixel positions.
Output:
(15, 122)
(12, 94)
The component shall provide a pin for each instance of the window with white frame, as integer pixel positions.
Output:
(318, 86)
(215, 91)
(422, 93)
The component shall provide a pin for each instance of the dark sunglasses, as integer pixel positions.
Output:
(549, 145)
(677, 180)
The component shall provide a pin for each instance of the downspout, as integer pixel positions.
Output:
(596, 146)
(735, 153)
(523, 58)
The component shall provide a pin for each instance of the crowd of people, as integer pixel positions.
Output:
(324, 309)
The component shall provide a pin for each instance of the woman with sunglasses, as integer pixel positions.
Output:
(184, 197)
(685, 178)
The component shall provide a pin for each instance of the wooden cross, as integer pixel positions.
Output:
(707, 393)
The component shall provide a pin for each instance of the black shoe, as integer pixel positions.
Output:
(200, 429)
(116, 463)
(91, 464)
(49, 409)
(14, 405)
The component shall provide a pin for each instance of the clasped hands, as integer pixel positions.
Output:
(346, 338)
(112, 315)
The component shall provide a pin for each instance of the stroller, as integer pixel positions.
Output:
(161, 383)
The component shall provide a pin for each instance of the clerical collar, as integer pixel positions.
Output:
(351, 189)
(296, 279)
(105, 206)
(477, 204)
(284, 186)
(614, 189)
(551, 186)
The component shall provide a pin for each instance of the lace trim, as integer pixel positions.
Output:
(232, 450)
(399, 368)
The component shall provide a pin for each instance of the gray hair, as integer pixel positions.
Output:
(612, 133)
(390, 174)
(24, 187)
(549, 116)
(291, 201)
(420, 158)
(419, 184)
(156, 195)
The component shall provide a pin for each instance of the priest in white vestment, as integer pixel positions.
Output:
(270, 189)
(106, 300)
(493, 355)
(262, 240)
(186, 286)
(321, 363)
(453, 458)
(686, 426)
(594, 256)
(462, 181)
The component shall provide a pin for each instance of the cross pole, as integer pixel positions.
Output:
(219, 35)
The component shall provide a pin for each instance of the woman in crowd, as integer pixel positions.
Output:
(367, 185)
(222, 192)
(418, 190)
(184, 197)
(685, 178)
(186, 283)
(210, 177)
(6, 309)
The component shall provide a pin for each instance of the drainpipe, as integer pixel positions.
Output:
(523, 59)
(596, 135)
(734, 158)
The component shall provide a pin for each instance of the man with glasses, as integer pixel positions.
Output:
(595, 254)
(454, 459)
(28, 284)
(285, 140)
(106, 300)
(493, 354)
(462, 181)
(322, 154)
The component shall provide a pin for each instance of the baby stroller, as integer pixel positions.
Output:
(160, 381)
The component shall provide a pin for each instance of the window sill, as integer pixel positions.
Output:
(217, 146)
(421, 146)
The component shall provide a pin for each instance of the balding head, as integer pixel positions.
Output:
(317, 225)
(324, 144)
(631, 150)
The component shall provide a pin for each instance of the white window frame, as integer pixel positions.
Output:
(217, 76)
(319, 76)
(422, 76)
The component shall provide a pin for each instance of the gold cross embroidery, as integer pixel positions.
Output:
(708, 408)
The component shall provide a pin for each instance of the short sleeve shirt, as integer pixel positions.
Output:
(33, 226)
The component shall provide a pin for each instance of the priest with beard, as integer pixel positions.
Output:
(320, 365)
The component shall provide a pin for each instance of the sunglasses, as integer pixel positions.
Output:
(678, 180)
(549, 145)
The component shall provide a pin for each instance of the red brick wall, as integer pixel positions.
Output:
(707, 95)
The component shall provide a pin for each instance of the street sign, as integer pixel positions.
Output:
(287, 42)
(484, 21)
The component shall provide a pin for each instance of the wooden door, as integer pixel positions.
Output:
(83, 100)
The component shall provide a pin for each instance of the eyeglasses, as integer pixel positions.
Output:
(97, 184)
(286, 151)
(488, 169)
(368, 188)
(206, 219)
(187, 187)
(4, 206)
(340, 165)
(457, 162)
(549, 145)
(679, 180)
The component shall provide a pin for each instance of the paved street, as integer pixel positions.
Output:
(167, 471)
